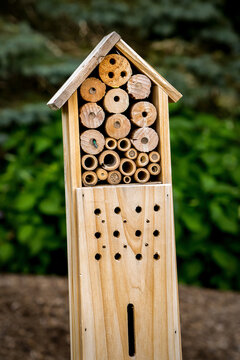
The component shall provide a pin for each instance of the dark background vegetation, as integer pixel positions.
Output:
(195, 45)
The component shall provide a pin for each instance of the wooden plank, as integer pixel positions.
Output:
(83, 71)
(148, 70)
(72, 181)
(108, 285)
(160, 100)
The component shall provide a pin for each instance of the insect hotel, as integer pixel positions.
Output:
(120, 227)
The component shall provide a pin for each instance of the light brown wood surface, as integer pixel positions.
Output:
(124, 144)
(154, 169)
(83, 71)
(145, 139)
(117, 126)
(89, 162)
(116, 101)
(102, 174)
(142, 160)
(110, 143)
(148, 70)
(91, 115)
(89, 178)
(143, 113)
(115, 70)
(108, 285)
(139, 86)
(92, 89)
(92, 141)
(114, 177)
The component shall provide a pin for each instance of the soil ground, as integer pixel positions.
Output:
(34, 320)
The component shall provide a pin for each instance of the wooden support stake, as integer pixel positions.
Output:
(145, 139)
(115, 70)
(116, 101)
(109, 160)
(117, 126)
(139, 86)
(92, 141)
(143, 113)
(92, 89)
(91, 115)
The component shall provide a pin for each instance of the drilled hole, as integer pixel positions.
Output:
(127, 167)
(117, 210)
(116, 98)
(142, 175)
(89, 162)
(112, 61)
(109, 160)
(116, 233)
(144, 113)
(91, 115)
(117, 256)
(98, 256)
(117, 124)
(123, 73)
(139, 256)
(92, 91)
(111, 74)
(125, 246)
(146, 244)
(155, 233)
(138, 209)
(97, 211)
(89, 178)
(111, 143)
(138, 233)
(123, 144)
(156, 208)
(104, 246)
(97, 235)
(124, 220)
(131, 333)
(103, 221)
(148, 221)
(144, 140)
(156, 256)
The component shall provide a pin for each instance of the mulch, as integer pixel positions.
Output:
(34, 321)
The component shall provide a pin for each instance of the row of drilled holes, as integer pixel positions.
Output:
(118, 256)
(116, 233)
(117, 209)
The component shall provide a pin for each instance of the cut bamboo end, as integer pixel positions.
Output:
(127, 167)
(102, 174)
(143, 113)
(89, 162)
(91, 115)
(127, 179)
(116, 101)
(142, 175)
(92, 89)
(124, 144)
(92, 141)
(154, 168)
(139, 86)
(154, 156)
(115, 70)
(114, 177)
(89, 178)
(142, 160)
(111, 143)
(117, 126)
(109, 160)
(145, 139)
(131, 154)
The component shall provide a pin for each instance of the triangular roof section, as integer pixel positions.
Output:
(95, 57)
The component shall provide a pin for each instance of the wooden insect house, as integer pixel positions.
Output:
(120, 227)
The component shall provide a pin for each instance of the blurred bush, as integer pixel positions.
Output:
(195, 45)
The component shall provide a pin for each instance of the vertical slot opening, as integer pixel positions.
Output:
(131, 334)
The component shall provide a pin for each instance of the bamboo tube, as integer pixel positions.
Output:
(127, 167)
(145, 139)
(127, 179)
(143, 113)
(154, 156)
(114, 177)
(102, 174)
(142, 160)
(92, 89)
(116, 101)
(109, 160)
(115, 70)
(92, 141)
(89, 178)
(91, 115)
(117, 126)
(111, 143)
(131, 154)
(154, 169)
(89, 162)
(124, 144)
(139, 86)
(142, 175)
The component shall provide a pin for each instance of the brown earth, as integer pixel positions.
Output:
(34, 320)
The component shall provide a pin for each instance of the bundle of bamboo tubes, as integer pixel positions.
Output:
(118, 137)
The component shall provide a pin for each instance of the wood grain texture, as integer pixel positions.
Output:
(139, 86)
(72, 173)
(83, 71)
(160, 100)
(115, 70)
(148, 70)
(116, 101)
(91, 115)
(108, 285)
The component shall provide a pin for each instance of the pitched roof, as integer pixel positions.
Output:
(95, 57)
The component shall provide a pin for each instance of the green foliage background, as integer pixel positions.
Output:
(195, 44)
